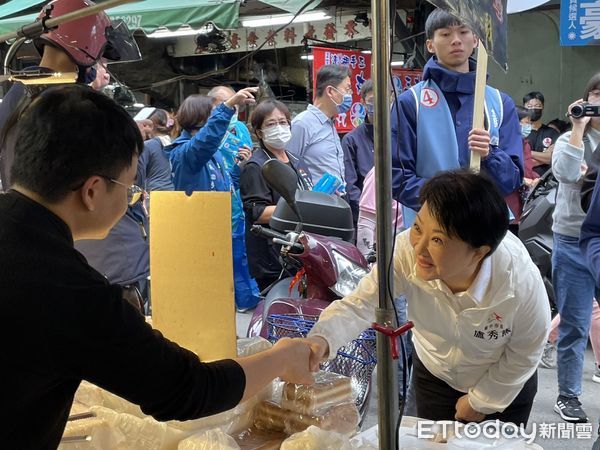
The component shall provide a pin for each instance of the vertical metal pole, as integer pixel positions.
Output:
(387, 377)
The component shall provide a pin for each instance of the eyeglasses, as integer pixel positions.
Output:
(283, 123)
(134, 193)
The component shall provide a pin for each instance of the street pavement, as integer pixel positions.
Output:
(542, 416)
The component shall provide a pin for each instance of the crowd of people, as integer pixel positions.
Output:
(77, 170)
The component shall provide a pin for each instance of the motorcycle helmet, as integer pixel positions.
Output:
(87, 39)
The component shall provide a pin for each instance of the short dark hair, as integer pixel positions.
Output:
(263, 109)
(561, 125)
(440, 19)
(330, 75)
(194, 111)
(522, 112)
(366, 89)
(468, 206)
(534, 94)
(68, 134)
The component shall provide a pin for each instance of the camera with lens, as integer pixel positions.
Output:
(585, 110)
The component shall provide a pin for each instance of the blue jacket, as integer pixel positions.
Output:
(504, 163)
(359, 159)
(589, 238)
(196, 165)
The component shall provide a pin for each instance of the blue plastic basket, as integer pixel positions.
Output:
(355, 360)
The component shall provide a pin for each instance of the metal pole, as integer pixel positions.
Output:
(387, 377)
(34, 29)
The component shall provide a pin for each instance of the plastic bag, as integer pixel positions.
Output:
(343, 419)
(253, 439)
(329, 389)
(314, 438)
(209, 440)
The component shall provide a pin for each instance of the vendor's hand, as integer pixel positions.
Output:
(479, 142)
(244, 154)
(319, 349)
(243, 97)
(465, 412)
(582, 121)
(293, 358)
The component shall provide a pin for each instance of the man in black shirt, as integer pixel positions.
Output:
(542, 137)
(75, 160)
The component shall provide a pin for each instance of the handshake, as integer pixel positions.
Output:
(298, 358)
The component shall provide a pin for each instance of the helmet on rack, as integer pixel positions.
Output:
(87, 39)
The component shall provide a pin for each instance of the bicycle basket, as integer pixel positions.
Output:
(356, 360)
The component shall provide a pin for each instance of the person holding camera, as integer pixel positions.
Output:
(572, 279)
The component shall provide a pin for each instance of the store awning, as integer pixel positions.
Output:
(148, 15)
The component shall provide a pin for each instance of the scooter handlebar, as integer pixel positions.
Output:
(278, 238)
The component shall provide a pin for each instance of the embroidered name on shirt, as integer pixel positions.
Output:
(493, 330)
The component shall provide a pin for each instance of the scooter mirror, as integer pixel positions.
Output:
(283, 179)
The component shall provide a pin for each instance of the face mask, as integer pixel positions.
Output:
(525, 129)
(346, 103)
(85, 75)
(277, 136)
(536, 114)
(370, 108)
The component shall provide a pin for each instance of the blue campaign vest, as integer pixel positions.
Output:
(437, 145)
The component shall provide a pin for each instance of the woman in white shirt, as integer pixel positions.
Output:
(477, 300)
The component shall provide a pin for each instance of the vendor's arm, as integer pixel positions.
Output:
(504, 163)
(118, 351)
(343, 320)
(406, 185)
(501, 384)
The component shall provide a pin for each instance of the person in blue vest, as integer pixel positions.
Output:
(432, 122)
(237, 139)
(198, 165)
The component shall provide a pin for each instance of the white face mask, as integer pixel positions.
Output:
(277, 136)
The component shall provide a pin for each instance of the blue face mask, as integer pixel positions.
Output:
(346, 104)
(526, 129)
(370, 108)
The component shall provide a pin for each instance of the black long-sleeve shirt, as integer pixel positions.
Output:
(63, 322)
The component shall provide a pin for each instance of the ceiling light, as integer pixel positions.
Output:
(397, 63)
(184, 30)
(267, 21)
(307, 57)
(366, 52)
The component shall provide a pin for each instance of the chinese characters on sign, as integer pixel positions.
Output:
(360, 67)
(579, 22)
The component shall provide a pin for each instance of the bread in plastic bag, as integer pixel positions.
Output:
(209, 440)
(343, 419)
(329, 389)
(252, 346)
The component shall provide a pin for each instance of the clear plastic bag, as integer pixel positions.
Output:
(254, 439)
(343, 419)
(329, 389)
(209, 440)
(314, 438)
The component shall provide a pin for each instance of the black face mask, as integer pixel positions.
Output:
(536, 114)
(86, 75)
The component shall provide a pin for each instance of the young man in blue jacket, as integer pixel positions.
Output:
(432, 122)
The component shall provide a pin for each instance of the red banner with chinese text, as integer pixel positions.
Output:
(405, 79)
(360, 66)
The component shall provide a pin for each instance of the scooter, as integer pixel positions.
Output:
(535, 230)
(314, 230)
